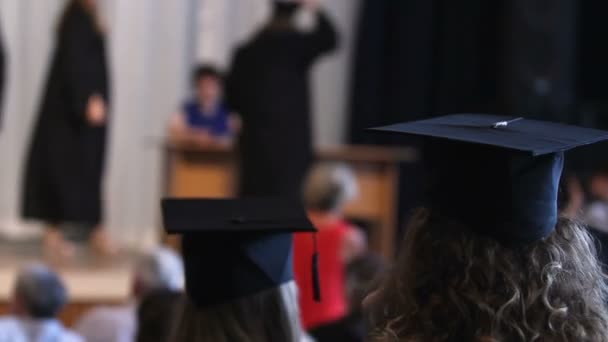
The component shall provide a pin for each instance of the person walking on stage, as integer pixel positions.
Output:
(66, 157)
(269, 87)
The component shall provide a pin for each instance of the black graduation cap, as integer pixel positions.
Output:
(498, 174)
(235, 248)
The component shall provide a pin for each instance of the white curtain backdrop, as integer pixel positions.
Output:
(152, 44)
(151, 52)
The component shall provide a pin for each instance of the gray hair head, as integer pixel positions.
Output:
(329, 186)
(161, 269)
(41, 291)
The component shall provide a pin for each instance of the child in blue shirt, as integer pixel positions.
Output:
(205, 120)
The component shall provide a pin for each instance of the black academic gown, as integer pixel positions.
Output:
(269, 87)
(66, 157)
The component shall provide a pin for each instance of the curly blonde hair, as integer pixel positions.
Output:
(451, 284)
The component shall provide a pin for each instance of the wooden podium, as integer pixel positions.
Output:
(212, 173)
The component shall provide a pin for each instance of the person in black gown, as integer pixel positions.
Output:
(269, 87)
(66, 158)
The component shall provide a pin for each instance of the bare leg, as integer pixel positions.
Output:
(101, 244)
(55, 245)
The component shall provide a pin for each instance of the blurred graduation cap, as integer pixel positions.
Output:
(498, 174)
(236, 248)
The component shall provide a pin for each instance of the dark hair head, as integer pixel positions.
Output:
(451, 284)
(41, 291)
(156, 314)
(266, 316)
(78, 13)
(285, 9)
(329, 186)
(206, 70)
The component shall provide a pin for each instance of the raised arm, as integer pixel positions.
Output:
(323, 39)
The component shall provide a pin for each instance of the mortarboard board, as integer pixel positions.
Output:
(498, 174)
(235, 248)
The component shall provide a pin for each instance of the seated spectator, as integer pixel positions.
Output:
(361, 274)
(38, 298)
(205, 120)
(159, 270)
(489, 258)
(156, 315)
(239, 276)
(328, 188)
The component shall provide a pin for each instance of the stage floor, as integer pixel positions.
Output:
(88, 279)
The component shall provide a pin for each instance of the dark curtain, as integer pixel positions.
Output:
(591, 78)
(392, 66)
(540, 63)
(593, 62)
(416, 59)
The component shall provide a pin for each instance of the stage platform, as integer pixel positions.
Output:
(90, 280)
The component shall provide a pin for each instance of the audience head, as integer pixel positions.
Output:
(73, 7)
(161, 269)
(156, 315)
(285, 9)
(329, 187)
(208, 82)
(39, 293)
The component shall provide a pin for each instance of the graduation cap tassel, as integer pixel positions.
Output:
(316, 284)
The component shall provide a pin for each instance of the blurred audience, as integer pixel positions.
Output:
(361, 274)
(205, 120)
(269, 87)
(39, 296)
(156, 315)
(328, 188)
(159, 270)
